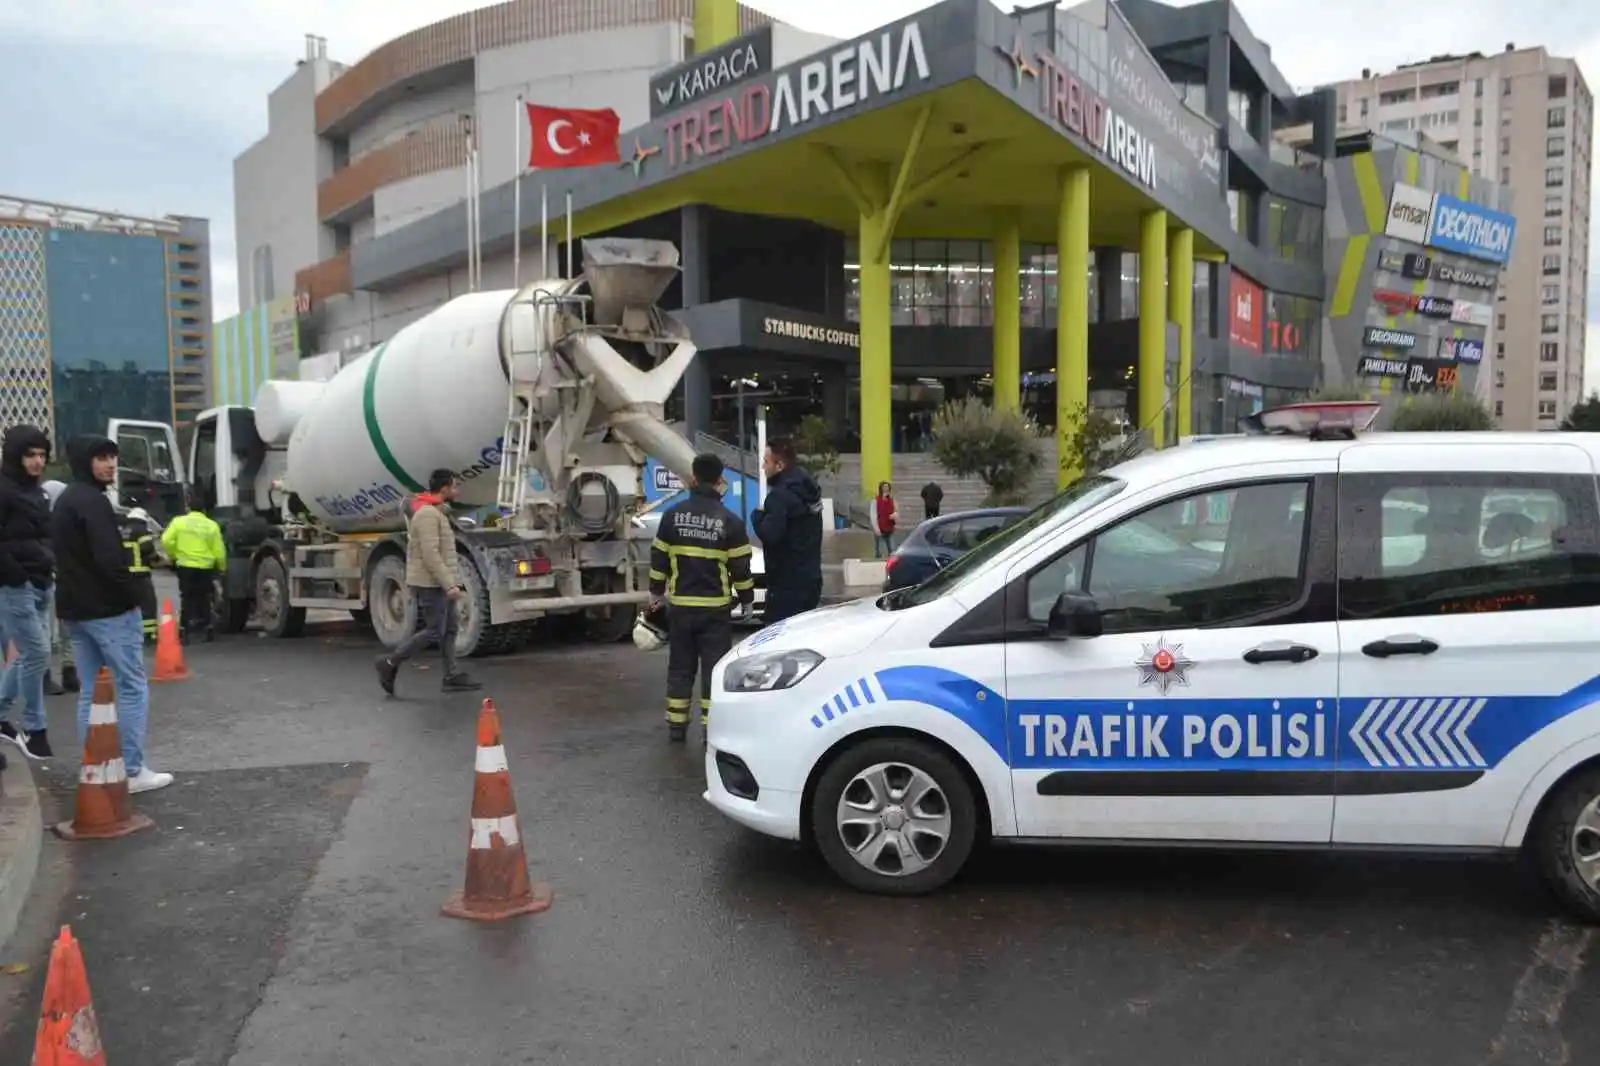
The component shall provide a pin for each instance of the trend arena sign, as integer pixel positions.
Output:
(844, 79)
(1081, 111)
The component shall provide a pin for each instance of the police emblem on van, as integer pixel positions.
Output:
(1163, 665)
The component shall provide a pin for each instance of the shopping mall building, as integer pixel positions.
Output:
(1050, 206)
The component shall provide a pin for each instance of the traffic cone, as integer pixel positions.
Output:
(69, 1034)
(497, 869)
(169, 649)
(103, 811)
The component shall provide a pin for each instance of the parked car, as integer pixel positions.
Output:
(939, 541)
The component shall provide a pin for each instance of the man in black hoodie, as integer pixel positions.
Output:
(27, 567)
(97, 599)
(789, 525)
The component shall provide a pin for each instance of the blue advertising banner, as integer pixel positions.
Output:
(1471, 229)
(659, 482)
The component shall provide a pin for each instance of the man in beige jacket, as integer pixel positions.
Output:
(435, 582)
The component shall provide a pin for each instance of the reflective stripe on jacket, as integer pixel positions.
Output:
(193, 540)
(701, 554)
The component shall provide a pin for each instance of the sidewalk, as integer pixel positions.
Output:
(21, 839)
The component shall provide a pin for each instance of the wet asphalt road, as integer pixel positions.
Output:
(286, 911)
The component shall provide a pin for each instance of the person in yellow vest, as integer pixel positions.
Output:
(194, 544)
(140, 544)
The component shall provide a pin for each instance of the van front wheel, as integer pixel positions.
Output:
(894, 816)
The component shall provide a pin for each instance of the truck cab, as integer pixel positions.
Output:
(149, 468)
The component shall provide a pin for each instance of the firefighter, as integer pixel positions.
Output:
(699, 564)
(140, 544)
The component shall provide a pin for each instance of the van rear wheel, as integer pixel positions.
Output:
(1566, 845)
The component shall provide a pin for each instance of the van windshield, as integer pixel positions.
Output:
(1076, 498)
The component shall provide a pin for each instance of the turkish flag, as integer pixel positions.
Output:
(572, 137)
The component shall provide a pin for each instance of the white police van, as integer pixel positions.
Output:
(1306, 639)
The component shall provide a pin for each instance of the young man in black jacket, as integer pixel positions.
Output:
(699, 564)
(27, 566)
(789, 526)
(97, 599)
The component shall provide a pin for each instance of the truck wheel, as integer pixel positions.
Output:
(472, 610)
(895, 817)
(1566, 845)
(278, 619)
(390, 607)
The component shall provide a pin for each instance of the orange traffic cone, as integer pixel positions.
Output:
(497, 868)
(169, 649)
(103, 811)
(68, 1033)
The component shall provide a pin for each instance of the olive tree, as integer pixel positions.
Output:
(996, 445)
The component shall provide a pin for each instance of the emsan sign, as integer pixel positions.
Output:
(837, 82)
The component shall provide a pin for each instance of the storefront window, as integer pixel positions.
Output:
(951, 283)
(1294, 231)
(1292, 327)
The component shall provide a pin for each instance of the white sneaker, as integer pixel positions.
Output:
(148, 780)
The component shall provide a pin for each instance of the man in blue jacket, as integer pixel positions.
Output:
(789, 525)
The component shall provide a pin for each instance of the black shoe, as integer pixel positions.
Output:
(10, 734)
(211, 636)
(50, 686)
(386, 674)
(677, 732)
(461, 683)
(69, 678)
(37, 745)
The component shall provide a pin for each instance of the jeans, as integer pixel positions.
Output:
(118, 643)
(882, 545)
(25, 617)
(439, 611)
(59, 644)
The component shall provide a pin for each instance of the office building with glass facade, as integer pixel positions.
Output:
(101, 316)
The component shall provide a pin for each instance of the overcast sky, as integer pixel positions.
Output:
(141, 105)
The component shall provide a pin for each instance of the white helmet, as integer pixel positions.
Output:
(649, 632)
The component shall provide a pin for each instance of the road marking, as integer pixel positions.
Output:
(1531, 1032)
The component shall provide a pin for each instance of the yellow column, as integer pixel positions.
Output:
(1072, 317)
(1007, 314)
(715, 22)
(1153, 325)
(877, 421)
(1180, 309)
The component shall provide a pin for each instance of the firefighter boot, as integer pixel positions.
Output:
(677, 720)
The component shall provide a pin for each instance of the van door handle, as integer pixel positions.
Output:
(1280, 653)
(1406, 645)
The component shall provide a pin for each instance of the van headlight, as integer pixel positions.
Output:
(769, 671)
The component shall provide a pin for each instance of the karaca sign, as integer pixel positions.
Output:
(837, 82)
(1077, 109)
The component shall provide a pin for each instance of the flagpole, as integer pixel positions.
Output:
(477, 209)
(516, 199)
(544, 232)
(466, 125)
(569, 235)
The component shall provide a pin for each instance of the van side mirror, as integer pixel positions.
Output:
(1075, 614)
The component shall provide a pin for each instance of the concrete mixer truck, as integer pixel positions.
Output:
(546, 402)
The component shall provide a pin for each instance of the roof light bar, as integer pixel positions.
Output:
(1328, 420)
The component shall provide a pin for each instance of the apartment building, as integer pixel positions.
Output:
(1523, 118)
(102, 315)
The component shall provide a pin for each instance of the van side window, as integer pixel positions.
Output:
(1421, 544)
(1218, 558)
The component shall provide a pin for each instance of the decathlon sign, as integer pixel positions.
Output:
(1471, 229)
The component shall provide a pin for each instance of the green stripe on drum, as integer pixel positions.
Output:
(369, 413)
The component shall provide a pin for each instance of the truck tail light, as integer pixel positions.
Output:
(535, 567)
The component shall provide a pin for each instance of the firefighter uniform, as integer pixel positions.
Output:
(700, 561)
(140, 544)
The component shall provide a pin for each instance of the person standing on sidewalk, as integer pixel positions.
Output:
(97, 597)
(194, 544)
(932, 499)
(435, 582)
(884, 516)
(27, 576)
(789, 526)
(60, 646)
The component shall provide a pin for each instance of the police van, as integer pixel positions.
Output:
(1310, 636)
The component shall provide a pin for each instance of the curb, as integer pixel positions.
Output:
(21, 840)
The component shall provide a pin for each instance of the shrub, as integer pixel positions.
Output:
(1441, 411)
(1092, 439)
(1000, 447)
(813, 447)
